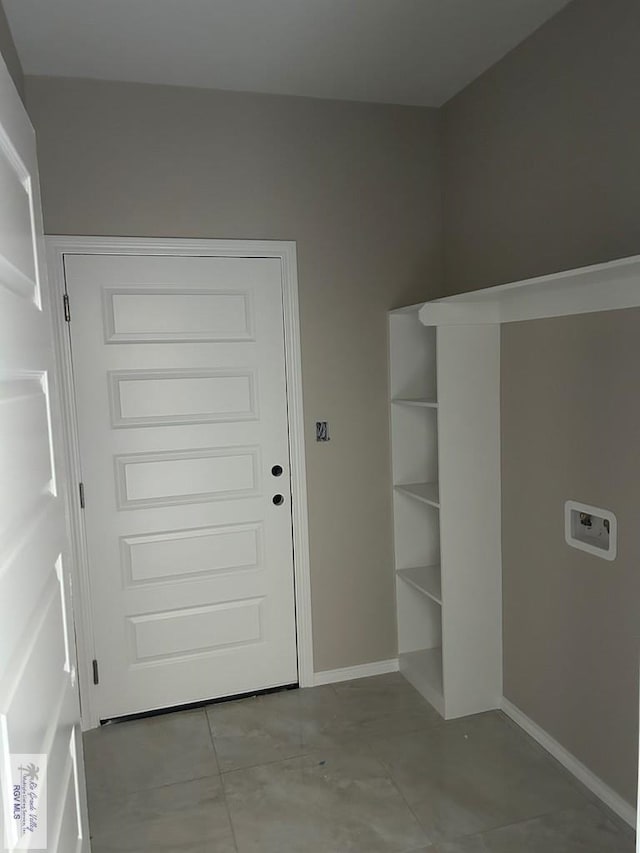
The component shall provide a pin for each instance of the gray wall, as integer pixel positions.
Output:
(541, 152)
(9, 53)
(357, 187)
(540, 174)
(570, 430)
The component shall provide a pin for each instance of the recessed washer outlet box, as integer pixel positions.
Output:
(591, 529)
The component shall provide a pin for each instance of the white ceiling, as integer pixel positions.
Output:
(392, 51)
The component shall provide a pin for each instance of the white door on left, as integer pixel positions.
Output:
(41, 775)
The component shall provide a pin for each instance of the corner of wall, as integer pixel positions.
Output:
(9, 53)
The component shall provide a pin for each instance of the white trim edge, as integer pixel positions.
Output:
(611, 286)
(363, 670)
(608, 796)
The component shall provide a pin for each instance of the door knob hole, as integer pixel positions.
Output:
(277, 470)
(278, 499)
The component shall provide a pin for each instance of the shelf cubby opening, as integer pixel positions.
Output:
(412, 358)
(426, 580)
(423, 669)
(416, 533)
(414, 450)
(427, 493)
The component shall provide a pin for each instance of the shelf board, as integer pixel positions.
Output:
(424, 402)
(426, 579)
(602, 287)
(428, 493)
(423, 669)
(406, 309)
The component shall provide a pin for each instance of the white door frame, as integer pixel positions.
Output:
(285, 251)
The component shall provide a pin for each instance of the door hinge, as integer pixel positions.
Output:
(81, 490)
(96, 676)
(67, 309)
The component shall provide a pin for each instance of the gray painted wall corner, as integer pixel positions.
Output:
(540, 174)
(9, 53)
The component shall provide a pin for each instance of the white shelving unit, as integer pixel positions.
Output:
(445, 446)
(445, 420)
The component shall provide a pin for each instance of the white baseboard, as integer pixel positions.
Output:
(364, 670)
(608, 796)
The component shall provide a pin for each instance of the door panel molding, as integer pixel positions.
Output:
(134, 490)
(126, 390)
(224, 548)
(285, 251)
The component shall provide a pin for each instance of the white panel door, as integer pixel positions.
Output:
(39, 708)
(180, 388)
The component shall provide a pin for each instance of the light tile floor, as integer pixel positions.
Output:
(360, 767)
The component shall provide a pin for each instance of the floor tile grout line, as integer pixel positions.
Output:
(420, 849)
(366, 750)
(537, 816)
(406, 801)
(229, 816)
(524, 820)
(267, 763)
(365, 744)
(222, 785)
(108, 796)
(211, 735)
